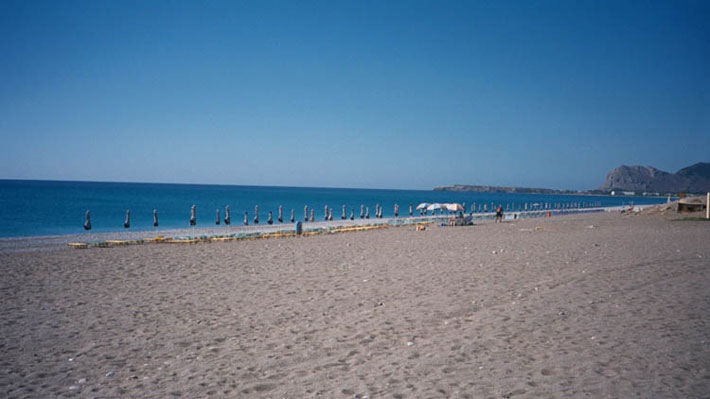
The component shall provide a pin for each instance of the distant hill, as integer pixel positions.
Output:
(693, 179)
(499, 189)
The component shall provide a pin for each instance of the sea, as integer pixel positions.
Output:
(46, 208)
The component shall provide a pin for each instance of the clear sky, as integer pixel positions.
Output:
(379, 94)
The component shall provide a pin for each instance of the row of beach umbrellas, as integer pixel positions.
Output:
(309, 213)
(364, 214)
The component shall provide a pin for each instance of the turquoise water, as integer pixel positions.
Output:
(39, 208)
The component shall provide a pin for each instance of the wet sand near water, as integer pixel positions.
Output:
(580, 306)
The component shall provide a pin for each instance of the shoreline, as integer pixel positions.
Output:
(59, 242)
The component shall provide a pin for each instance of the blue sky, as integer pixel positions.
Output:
(379, 94)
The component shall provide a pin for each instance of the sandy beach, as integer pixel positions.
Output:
(602, 305)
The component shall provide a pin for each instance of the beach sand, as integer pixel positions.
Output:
(580, 306)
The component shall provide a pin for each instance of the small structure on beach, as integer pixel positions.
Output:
(691, 204)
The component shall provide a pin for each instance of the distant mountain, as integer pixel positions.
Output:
(693, 179)
(700, 169)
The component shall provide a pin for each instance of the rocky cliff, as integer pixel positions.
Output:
(693, 179)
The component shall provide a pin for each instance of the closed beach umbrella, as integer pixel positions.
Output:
(396, 210)
(270, 220)
(227, 216)
(256, 214)
(155, 218)
(326, 212)
(345, 213)
(219, 218)
(362, 211)
(127, 223)
(313, 214)
(352, 214)
(87, 222)
(367, 212)
(377, 210)
(281, 214)
(305, 213)
(330, 214)
(411, 209)
(293, 215)
(246, 218)
(193, 216)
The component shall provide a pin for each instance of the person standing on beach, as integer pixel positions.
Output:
(499, 214)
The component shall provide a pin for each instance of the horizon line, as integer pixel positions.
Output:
(210, 184)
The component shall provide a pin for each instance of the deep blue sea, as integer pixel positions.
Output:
(39, 208)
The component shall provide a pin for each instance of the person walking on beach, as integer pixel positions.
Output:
(499, 214)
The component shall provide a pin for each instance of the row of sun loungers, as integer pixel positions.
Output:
(222, 238)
